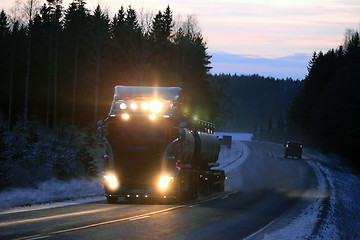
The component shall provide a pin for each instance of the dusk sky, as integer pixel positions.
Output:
(270, 38)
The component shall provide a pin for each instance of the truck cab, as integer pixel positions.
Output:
(153, 149)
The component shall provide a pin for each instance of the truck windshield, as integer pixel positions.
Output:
(139, 130)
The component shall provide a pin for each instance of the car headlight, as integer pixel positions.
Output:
(111, 181)
(164, 181)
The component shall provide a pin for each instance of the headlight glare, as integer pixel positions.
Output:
(125, 116)
(145, 106)
(122, 106)
(155, 106)
(134, 106)
(111, 181)
(164, 181)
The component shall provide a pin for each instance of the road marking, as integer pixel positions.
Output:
(248, 237)
(139, 218)
(195, 205)
(225, 197)
(54, 217)
(39, 236)
(36, 238)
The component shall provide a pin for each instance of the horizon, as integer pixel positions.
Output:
(274, 39)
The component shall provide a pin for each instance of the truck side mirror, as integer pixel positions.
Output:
(100, 129)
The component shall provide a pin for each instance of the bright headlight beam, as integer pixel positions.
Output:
(164, 180)
(155, 106)
(111, 181)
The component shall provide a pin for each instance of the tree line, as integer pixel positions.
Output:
(326, 112)
(61, 65)
(58, 69)
(255, 104)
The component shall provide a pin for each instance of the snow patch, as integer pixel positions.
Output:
(236, 136)
(50, 191)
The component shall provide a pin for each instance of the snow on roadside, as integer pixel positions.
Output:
(343, 219)
(50, 191)
(334, 213)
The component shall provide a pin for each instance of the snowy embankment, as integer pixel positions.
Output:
(77, 191)
(334, 211)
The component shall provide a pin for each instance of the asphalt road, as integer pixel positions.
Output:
(258, 192)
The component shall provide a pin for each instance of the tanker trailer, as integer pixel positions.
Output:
(153, 150)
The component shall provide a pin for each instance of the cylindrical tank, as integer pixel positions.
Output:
(188, 144)
(207, 147)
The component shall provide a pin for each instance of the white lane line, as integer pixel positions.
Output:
(225, 197)
(195, 205)
(36, 238)
(248, 237)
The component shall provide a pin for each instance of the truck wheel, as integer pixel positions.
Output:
(195, 192)
(112, 199)
(222, 182)
(179, 193)
(208, 187)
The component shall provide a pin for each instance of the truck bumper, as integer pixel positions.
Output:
(141, 192)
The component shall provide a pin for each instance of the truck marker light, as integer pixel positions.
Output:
(164, 180)
(134, 106)
(125, 116)
(152, 116)
(122, 106)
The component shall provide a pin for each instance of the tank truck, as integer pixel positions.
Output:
(153, 149)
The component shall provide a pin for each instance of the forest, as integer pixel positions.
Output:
(58, 70)
(326, 111)
(256, 104)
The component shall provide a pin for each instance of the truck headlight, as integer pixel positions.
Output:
(164, 181)
(111, 181)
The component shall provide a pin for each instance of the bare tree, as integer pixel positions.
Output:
(28, 9)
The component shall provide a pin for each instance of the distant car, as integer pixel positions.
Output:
(293, 149)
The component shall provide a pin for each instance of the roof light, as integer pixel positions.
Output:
(134, 106)
(122, 106)
(155, 106)
(145, 106)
